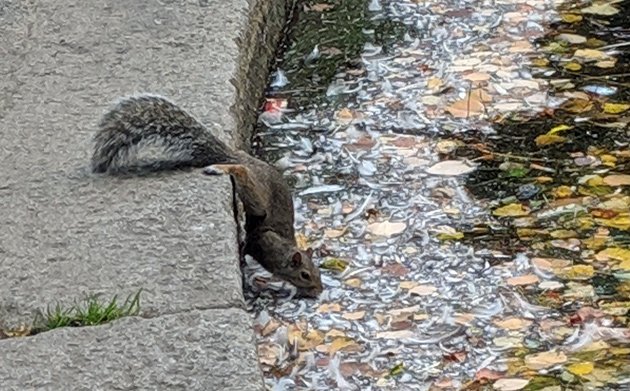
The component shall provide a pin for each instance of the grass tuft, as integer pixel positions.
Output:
(93, 312)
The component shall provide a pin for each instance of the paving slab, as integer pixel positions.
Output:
(196, 350)
(66, 233)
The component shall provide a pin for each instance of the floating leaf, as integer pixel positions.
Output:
(447, 146)
(545, 359)
(572, 66)
(604, 9)
(320, 7)
(450, 168)
(617, 254)
(577, 105)
(305, 340)
(571, 18)
(548, 139)
(465, 107)
(354, 315)
(511, 210)
(353, 282)
(397, 370)
(527, 279)
(510, 384)
(334, 264)
(423, 290)
(617, 180)
(616, 108)
(605, 64)
(559, 128)
(338, 344)
(513, 323)
(562, 192)
(487, 374)
(591, 54)
(449, 233)
(577, 272)
(398, 334)
(572, 38)
(302, 241)
(386, 228)
(329, 307)
(334, 233)
(540, 62)
(619, 222)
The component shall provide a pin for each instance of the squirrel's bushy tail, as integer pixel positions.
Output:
(153, 119)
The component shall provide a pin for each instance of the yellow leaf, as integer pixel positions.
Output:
(562, 192)
(451, 236)
(620, 222)
(563, 234)
(614, 253)
(616, 108)
(434, 83)
(571, 18)
(577, 272)
(544, 179)
(302, 242)
(591, 180)
(335, 264)
(547, 139)
(559, 128)
(608, 160)
(530, 232)
(595, 242)
(511, 210)
(340, 344)
(540, 62)
(573, 66)
(581, 368)
(305, 341)
(354, 282)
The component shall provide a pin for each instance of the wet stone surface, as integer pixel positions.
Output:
(381, 194)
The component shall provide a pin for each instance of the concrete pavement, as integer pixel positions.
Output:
(65, 233)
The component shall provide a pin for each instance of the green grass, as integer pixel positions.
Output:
(91, 313)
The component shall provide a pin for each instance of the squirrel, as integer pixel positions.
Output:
(267, 200)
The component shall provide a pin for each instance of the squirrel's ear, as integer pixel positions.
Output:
(309, 252)
(296, 259)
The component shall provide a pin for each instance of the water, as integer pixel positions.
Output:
(357, 116)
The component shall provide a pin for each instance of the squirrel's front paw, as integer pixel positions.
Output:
(214, 170)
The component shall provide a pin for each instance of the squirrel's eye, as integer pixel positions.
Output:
(305, 276)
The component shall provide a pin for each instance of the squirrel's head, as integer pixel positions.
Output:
(303, 273)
